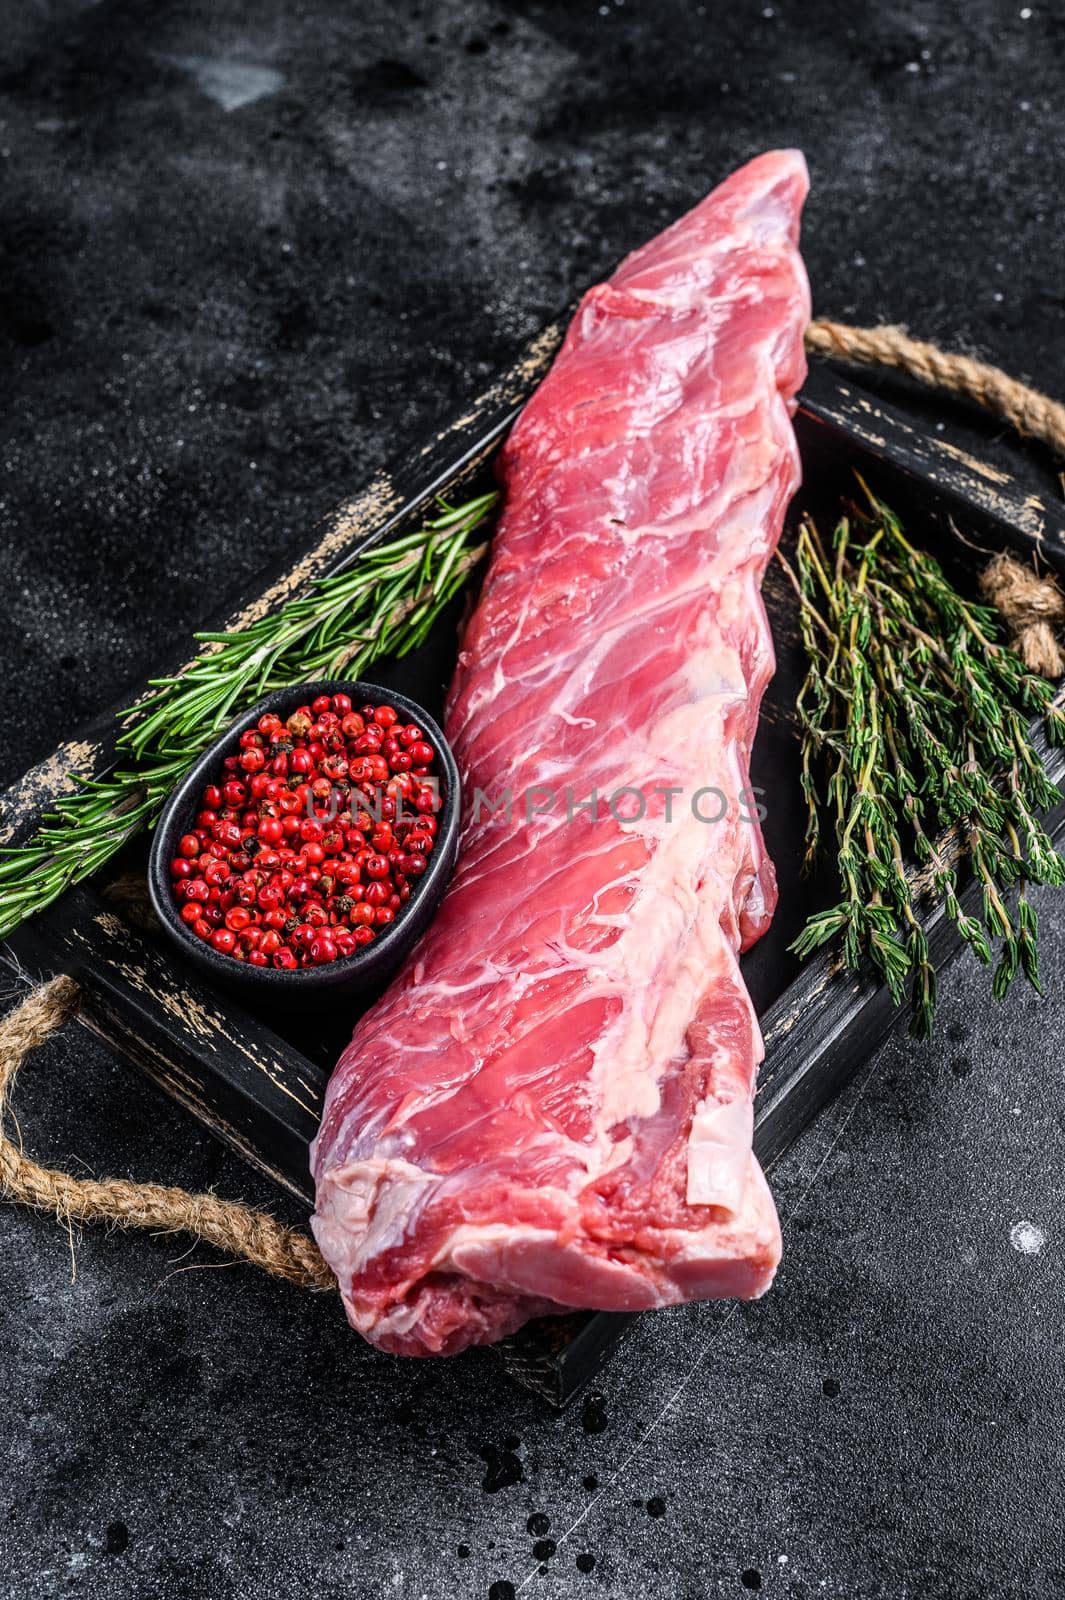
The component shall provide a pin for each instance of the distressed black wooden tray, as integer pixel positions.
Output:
(235, 1068)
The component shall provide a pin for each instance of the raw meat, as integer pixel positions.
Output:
(552, 1106)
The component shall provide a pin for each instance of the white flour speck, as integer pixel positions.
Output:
(1027, 1238)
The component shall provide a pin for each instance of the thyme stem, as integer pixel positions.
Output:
(915, 735)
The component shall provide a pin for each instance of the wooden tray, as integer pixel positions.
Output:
(234, 1067)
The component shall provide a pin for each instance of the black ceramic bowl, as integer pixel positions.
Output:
(371, 965)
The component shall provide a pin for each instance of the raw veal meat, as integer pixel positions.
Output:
(552, 1106)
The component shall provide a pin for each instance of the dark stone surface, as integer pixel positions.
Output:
(215, 320)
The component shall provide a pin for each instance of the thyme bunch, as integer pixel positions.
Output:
(383, 605)
(916, 743)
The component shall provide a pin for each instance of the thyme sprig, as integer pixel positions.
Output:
(916, 744)
(383, 605)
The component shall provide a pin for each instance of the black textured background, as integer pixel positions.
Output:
(246, 253)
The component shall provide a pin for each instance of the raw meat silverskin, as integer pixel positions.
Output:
(551, 1107)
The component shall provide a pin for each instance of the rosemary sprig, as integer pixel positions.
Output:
(383, 605)
(916, 744)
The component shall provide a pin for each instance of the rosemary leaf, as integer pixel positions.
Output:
(383, 605)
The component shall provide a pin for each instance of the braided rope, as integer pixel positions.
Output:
(1030, 606)
(1032, 413)
(249, 1235)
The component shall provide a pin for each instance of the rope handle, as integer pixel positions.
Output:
(1032, 413)
(1031, 605)
(249, 1235)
